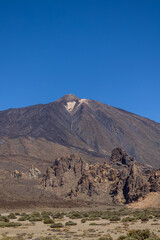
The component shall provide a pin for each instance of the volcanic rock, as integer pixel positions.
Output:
(127, 182)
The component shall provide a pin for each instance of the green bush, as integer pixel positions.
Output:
(57, 215)
(34, 219)
(128, 219)
(107, 237)
(46, 214)
(48, 221)
(144, 218)
(83, 220)
(139, 235)
(22, 218)
(92, 218)
(70, 223)
(36, 214)
(11, 216)
(115, 218)
(17, 213)
(23, 214)
(9, 224)
(105, 216)
(4, 219)
(57, 225)
(75, 215)
(93, 224)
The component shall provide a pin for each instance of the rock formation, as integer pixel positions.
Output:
(31, 173)
(121, 181)
(17, 174)
(34, 172)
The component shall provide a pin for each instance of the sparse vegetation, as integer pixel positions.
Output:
(139, 235)
(9, 224)
(116, 222)
(48, 221)
(57, 225)
(115, 218)
(70, 223)
(11, 216)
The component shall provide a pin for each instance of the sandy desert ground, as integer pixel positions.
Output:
(107, 224)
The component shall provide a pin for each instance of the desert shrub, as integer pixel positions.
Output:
(9, 224)
(115, 218)
(95, 214)
(23, 214)
(17, 213)
(128, 219)
(83, 220)
(36, 214)
(56, 225)
(156, 214)
(75, 215)
(105, 216)
(124, 212)
(47, 238)
(46, 214)
(34, 219)
(58, 215)
(122, 237)
(92, 218)
(139, 235)
(11, 216)
(22, 218)
(106, 237)
(48, 221)
(85, 214)
(4, 219)
(144, 218)
(70, 223)
(93, 224)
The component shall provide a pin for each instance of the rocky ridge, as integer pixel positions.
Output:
(121, 181)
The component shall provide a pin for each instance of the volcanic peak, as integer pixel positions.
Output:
(71, 102)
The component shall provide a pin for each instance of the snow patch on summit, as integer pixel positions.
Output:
(70, 106)
(82, 101)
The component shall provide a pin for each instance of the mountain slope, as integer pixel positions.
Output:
(84, 126)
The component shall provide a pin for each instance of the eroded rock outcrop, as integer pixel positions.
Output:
(136, 184)
(121, 181)
(31, 173)
(17, 174)
(34, 172)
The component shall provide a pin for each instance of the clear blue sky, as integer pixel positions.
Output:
(107, 50)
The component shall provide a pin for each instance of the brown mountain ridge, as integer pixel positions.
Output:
(61, 154)
(91, 129)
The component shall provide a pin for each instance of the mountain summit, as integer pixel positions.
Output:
(73, 125)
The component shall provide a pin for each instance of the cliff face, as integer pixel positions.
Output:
(121, 181)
